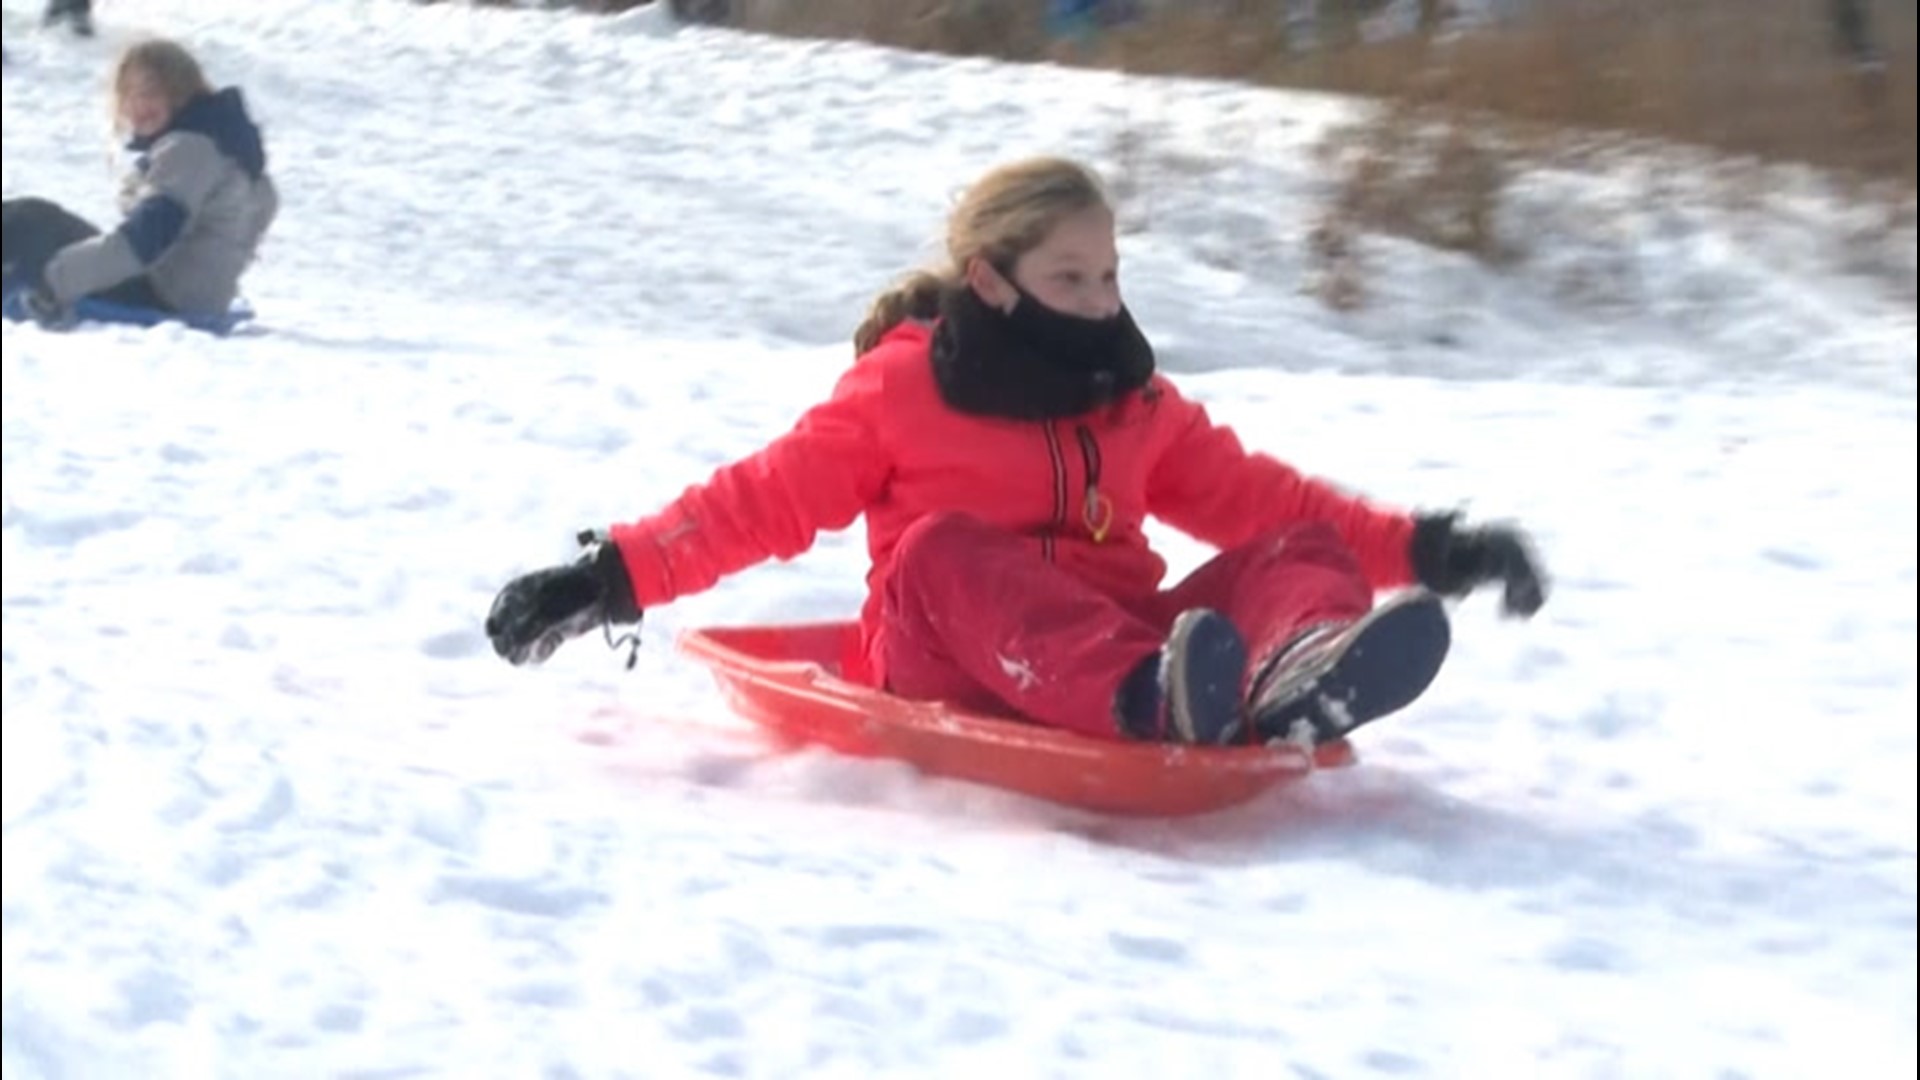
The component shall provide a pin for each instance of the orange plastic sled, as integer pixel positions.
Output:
(787, 678)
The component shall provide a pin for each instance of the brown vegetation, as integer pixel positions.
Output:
(1764, 78)
(1754, 77)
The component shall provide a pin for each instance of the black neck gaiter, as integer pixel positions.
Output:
(1034, 363)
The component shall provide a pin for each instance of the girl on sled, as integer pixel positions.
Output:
(1006, 435)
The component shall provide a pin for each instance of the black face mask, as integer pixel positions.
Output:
(1071, 341)
(1034, 363)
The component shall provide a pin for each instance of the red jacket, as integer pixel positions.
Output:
(886, 445)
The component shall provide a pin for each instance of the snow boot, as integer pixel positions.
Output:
(1188, 690)
(1337, 676)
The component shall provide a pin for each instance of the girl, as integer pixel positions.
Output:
(1006, 435)
(197, 202)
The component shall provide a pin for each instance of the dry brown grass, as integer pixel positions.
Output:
(1427, 174)
(1002, 28)
(1755, 77)
(1751, 77)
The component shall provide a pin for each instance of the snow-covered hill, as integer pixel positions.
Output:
(271, 808)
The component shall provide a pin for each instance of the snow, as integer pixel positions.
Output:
(271, 807)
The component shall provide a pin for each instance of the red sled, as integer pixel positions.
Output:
(787, 679)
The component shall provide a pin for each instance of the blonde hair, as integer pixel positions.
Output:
(1005, 214)
(169, 64)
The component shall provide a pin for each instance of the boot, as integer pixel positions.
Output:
(1188, 690)
(1335, 677)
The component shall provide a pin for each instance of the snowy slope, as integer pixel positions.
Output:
(271, 808)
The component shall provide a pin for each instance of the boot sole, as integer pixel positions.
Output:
(1389, 660)
(1206, 662)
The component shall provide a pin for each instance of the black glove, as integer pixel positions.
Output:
(537, 613)
(1453, 561)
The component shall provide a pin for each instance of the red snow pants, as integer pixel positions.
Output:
(975, 616)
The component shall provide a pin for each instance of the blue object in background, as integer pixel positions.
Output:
(13, 305)
(93, 309)
(1081, 20)
(1071, 18)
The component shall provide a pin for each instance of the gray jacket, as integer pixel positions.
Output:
(197, 204)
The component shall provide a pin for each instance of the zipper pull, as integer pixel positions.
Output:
(1097, 512)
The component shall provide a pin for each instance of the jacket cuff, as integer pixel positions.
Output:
(1430, 552)
(616, 587)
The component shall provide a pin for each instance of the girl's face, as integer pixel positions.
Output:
(144, 107)
(1076, 270)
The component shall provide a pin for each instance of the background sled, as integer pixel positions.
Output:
(787, 678)
(95, 310)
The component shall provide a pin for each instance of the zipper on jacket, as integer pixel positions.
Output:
(1058, 458)
(1096, 511)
